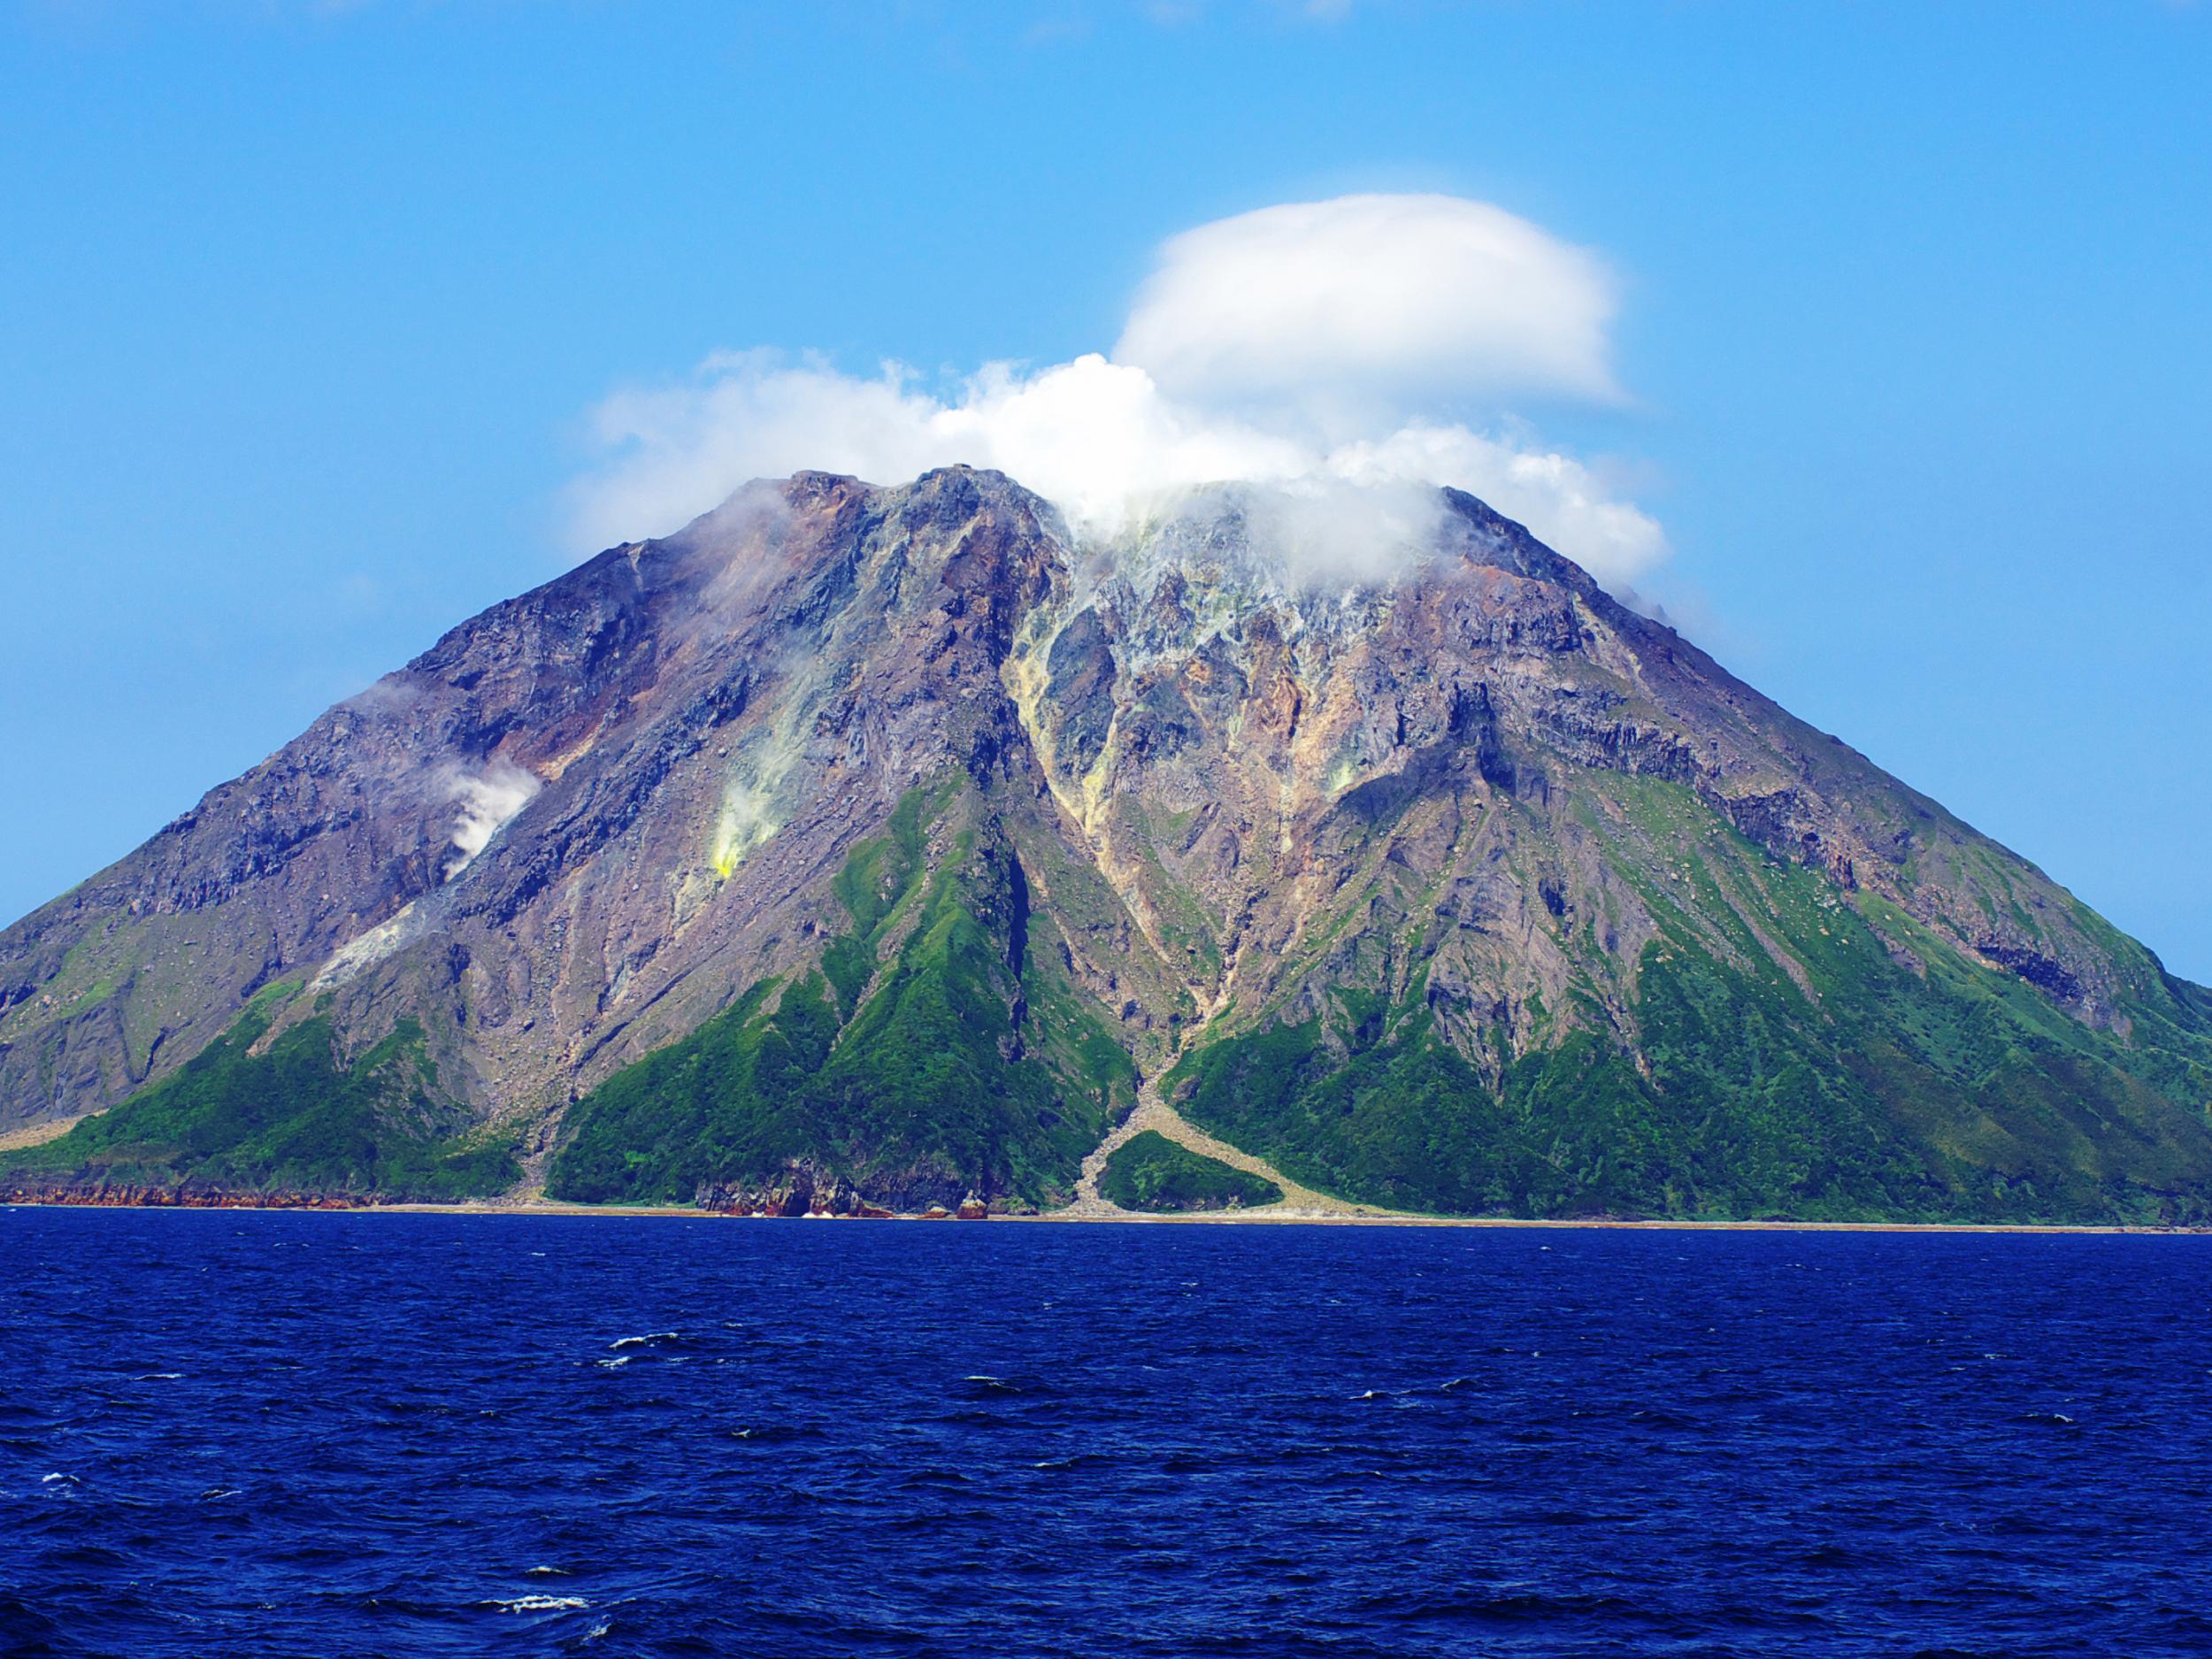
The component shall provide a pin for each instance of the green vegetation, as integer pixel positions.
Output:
(957, 1056)
(880, 875)
(1793, 1066)
(1150, 1172)
(1799, 1051)
(293, 1118)
(727, 1100)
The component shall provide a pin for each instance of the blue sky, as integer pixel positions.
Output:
(306, 311)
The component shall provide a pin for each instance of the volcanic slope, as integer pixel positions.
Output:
(876, 843)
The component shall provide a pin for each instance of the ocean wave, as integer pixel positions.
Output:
(538, 1603)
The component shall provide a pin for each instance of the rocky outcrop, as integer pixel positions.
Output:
(802, 1190)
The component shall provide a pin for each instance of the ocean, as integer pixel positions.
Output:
(259, 1433)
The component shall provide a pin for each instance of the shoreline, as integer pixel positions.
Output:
(674, 1212)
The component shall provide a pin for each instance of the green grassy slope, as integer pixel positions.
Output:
(941, 1049)
(1150, 1172)
(294, 1117)
(1793, 1064)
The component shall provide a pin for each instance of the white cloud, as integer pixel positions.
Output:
(1388, 300)
(1358, 315)
(1555, 495)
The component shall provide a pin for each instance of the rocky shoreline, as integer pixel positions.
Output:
(800, 1196)
(122, 1197)
(149, 1197)
(839, 1202)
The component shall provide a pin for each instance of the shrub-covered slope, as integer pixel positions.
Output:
(1150, 1172)
(941, 1049)
(289, 1116)
(1794, 1066)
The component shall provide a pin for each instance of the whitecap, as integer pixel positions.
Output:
(539, 1604)
(49, 1479)
(649, 1337)
(160, 1375)
(614, 1364)
(545, 1572)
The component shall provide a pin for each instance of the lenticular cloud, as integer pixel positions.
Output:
(1307, 348)
(1376, 300)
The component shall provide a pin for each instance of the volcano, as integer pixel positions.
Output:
(881, 847)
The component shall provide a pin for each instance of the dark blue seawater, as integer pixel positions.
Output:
(244, 1433)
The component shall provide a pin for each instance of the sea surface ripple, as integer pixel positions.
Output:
(271, 1433)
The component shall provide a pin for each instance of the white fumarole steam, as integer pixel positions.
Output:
(487, 796)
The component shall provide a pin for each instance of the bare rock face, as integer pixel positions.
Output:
(656, 757)
(1251, 759)
(1159, 798)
